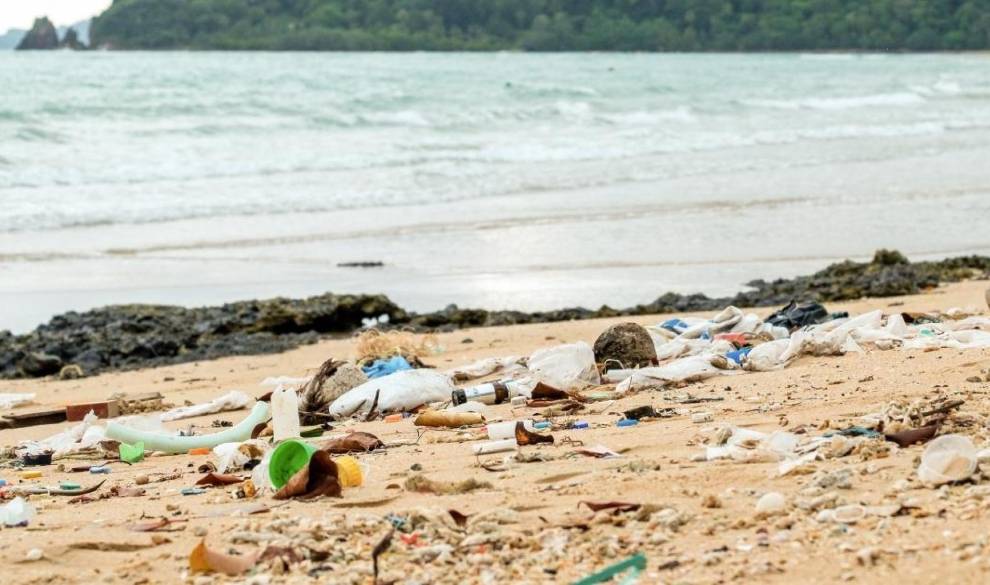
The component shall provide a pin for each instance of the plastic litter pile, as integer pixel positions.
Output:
(304, 441)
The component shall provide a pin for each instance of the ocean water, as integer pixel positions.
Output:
(494, 180)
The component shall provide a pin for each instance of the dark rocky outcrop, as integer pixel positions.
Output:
(130, 336)
(42, 36)
(71, 41)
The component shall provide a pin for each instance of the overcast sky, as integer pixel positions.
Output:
(21, 13)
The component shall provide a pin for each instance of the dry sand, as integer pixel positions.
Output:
(943, 540)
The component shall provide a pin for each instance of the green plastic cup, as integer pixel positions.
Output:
(287, 459)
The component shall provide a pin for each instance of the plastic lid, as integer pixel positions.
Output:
(349, 471)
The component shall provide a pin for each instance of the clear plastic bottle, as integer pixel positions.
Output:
(285, 414)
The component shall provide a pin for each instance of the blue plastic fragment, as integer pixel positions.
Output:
(738, 355)
(382, 368)
(542, 425)
(3, 482)
(581, 424)
(103, 469)
(627, 422)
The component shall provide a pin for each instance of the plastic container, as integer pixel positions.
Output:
(349, 471)
(495, 447)
(30, 474)
(946, 459)
(287, 459)
(507, 429)
(285, 414)
(18, 512)
(493, 393)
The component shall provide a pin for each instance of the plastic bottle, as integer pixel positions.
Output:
(492, 393)
(285, 414)
(19, 512)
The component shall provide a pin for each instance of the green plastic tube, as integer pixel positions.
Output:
(174, 444)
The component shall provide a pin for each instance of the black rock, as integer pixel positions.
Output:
(36, 365)
(42, 36)
(626, 345)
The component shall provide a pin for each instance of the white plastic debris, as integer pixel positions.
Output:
(276, 381)
(285, 414)
(71, 440)
(13, 400)
(233, 400)
(946, 459)
(17, 512)
(485, 367)
(35, 554)
(771, 503)
(565, 366)
(398, 392)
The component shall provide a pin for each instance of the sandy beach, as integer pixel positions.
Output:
(528, 527)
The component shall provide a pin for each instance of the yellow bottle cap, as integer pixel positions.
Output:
(349, 472)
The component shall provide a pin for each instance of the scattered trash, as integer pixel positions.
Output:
(319, 477)
(285, 414)
(231, 401)
(771, 503)
(8, 401)
(795, 316)
(384, 367)
(399, 392)
(499, 446)
(131, 453)
(353, 442)
(192, 491)
(17, 512)
(565, 366)
(947, 459)
(287, 460)
(177, 444)
(38, 459)
(205, 560)
(634, 565)
(440, 418)
(421, 484)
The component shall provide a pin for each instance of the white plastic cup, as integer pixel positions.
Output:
(495, 447)
(507, 429)
(946, 459)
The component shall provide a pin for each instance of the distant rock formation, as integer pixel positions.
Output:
(71, 41)
(42, 36)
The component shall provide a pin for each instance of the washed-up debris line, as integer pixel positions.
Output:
(129, 336)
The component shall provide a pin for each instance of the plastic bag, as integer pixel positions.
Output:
(565, 366)
(398, 392)
(233, 400)
(12, 400)
(17, 512)
(68, 441)
(689, 369)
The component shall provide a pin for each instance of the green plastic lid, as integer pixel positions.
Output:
(287, 459)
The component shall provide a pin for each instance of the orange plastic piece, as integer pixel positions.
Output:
(393, 418)
(199, 451)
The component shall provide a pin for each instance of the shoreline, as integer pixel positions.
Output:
(125, 337)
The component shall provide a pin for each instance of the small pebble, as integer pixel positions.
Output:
(200, 531)
(702, 417)
(35, 554)
(141, 480)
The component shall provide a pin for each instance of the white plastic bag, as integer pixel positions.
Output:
(565, 366)
(233, 400)
(12, 400)
(398, 392)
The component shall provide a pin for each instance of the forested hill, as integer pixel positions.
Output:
(546, 25)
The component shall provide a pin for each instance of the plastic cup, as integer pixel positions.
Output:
(946, 459)
(349, 471)
(287, 459)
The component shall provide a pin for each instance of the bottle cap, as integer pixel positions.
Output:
(458, 397)
(349, 471)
